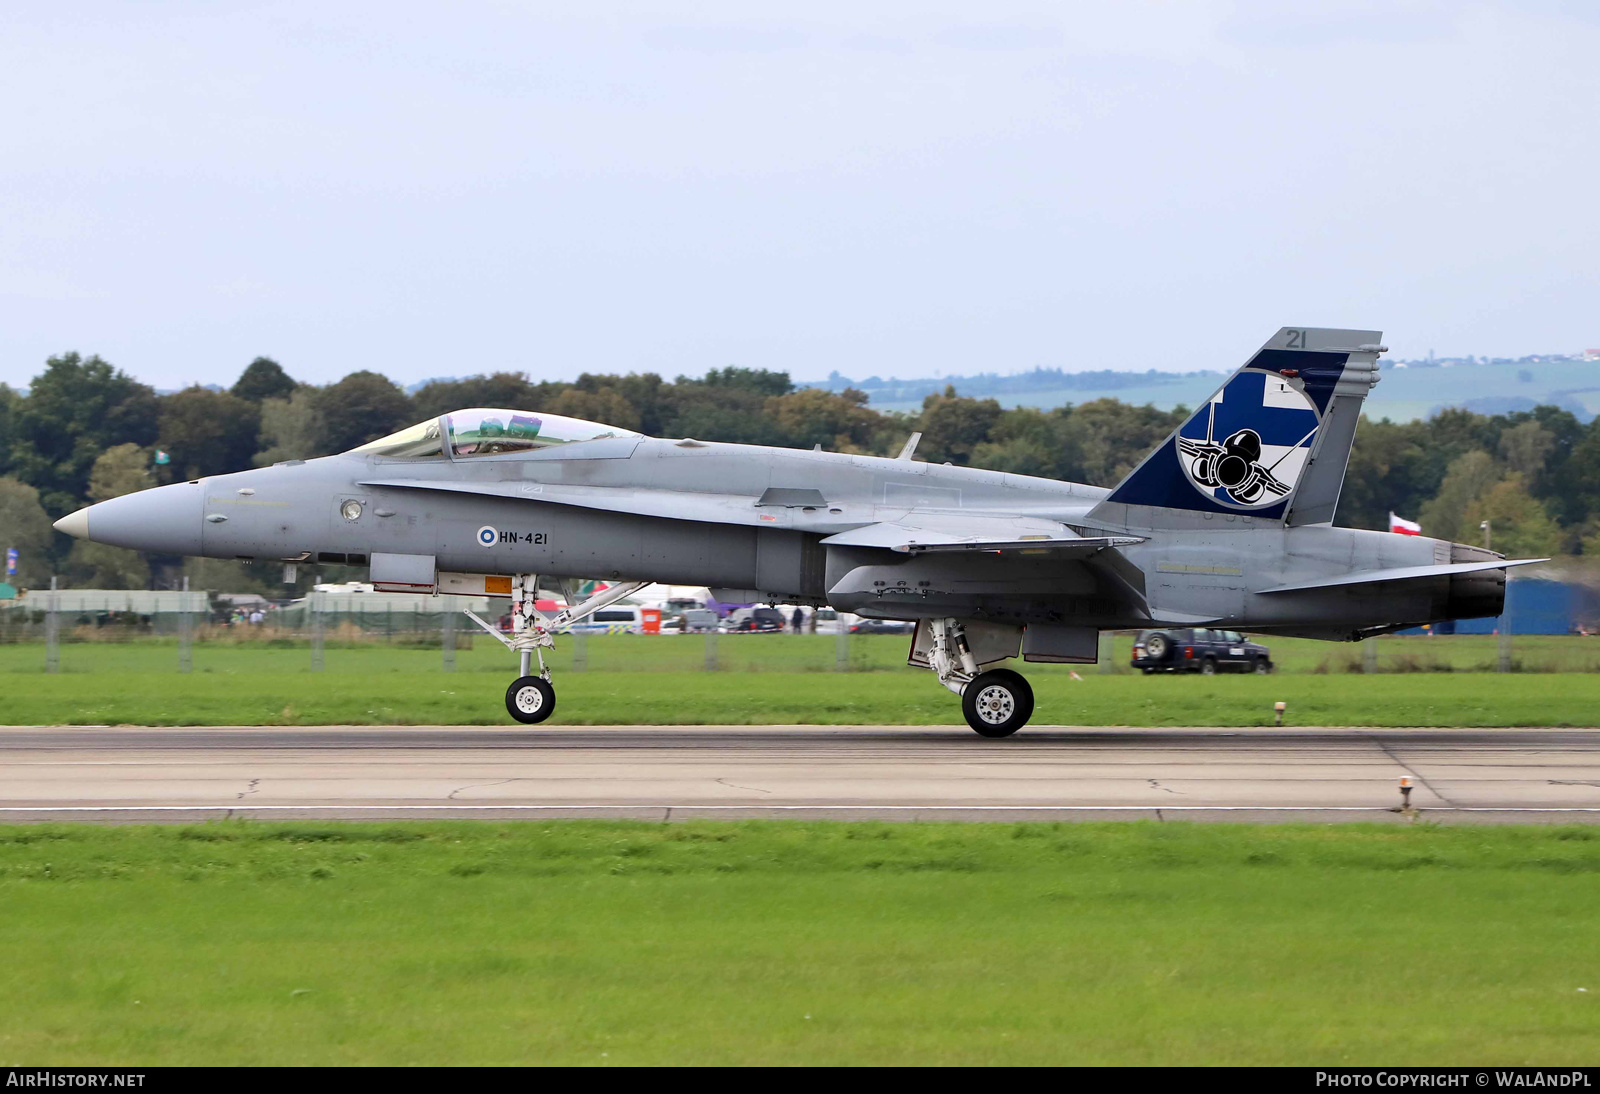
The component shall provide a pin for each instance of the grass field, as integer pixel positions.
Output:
(764, 653)
(379, 685)
(395, 696)
(628, 943)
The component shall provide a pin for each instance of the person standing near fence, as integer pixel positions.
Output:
(798, 620)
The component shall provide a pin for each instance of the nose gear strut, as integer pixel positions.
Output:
(531, 699)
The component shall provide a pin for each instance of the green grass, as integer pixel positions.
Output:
(783, 943)
(750, 653)
(388, 692)
(762, 680)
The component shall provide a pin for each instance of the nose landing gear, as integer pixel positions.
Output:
(532, 698)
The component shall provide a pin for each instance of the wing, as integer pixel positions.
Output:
(918, 529)
(941, 531)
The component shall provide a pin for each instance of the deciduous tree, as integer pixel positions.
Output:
(25, 526)
(1520, 526)
(953, 426)
(812, 416)
(209, 432)
(360, 408)
(290, 428)
(262, 379)
(1470, 477)
(76, 409)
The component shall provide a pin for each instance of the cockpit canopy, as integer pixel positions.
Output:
(486, 431)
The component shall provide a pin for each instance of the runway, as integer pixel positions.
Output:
(883, 772)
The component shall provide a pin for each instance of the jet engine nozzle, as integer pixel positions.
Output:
(1480, 593)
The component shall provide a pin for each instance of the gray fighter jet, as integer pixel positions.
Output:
(1228, 523)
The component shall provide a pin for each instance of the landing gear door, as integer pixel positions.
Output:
(990, 643)
(404, 573)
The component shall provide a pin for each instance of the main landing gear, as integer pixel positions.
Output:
(996, 702)
(532, 698)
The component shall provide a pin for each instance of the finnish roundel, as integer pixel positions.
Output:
(1249, 447)
(487, 536)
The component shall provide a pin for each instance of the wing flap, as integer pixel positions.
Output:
(1401, 573)
(1069, 547)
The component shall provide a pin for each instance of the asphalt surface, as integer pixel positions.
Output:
(885, 772)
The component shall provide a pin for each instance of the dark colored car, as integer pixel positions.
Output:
(757, 620)
(882, 626)
(1199, 649)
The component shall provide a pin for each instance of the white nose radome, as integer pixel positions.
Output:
(163, 521)
(76, 524)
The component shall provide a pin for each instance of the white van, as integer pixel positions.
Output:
(617, 619)
(830, 621)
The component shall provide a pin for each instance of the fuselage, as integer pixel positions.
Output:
(753, 518)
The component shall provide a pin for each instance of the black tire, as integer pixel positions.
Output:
(997, 703)
(530, 699)
(1155, 646)
(1208, 666)
(1263, 666)
(1148, 672)
(1024, 693)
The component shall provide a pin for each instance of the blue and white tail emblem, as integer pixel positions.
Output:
(1247, 449)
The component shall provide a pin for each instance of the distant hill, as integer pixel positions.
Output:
(1408, 389)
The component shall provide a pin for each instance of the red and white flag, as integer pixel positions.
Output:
(1403, 526)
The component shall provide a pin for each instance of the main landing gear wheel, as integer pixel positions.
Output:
(997, 703)
(531, 699)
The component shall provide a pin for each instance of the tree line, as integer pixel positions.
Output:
(86, 431)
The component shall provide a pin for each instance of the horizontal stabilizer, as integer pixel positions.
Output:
(1402, 573)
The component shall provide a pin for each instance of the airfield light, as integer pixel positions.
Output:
(1406, 783)
(1277, 713)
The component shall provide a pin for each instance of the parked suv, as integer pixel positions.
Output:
(1198, 649)
(759, 620)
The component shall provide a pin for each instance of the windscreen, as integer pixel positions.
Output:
(490, 432)
(415, 442)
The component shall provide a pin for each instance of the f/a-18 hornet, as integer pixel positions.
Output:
(1227, 523)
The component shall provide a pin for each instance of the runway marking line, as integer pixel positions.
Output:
(811, 808)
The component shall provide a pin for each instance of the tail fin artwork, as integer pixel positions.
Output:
(1271, 444)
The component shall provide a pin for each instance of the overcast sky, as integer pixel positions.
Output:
(891, 188)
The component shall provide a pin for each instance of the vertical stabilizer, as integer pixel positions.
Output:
(1271, 444)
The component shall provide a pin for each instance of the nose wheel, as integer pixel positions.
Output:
(530, 699)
